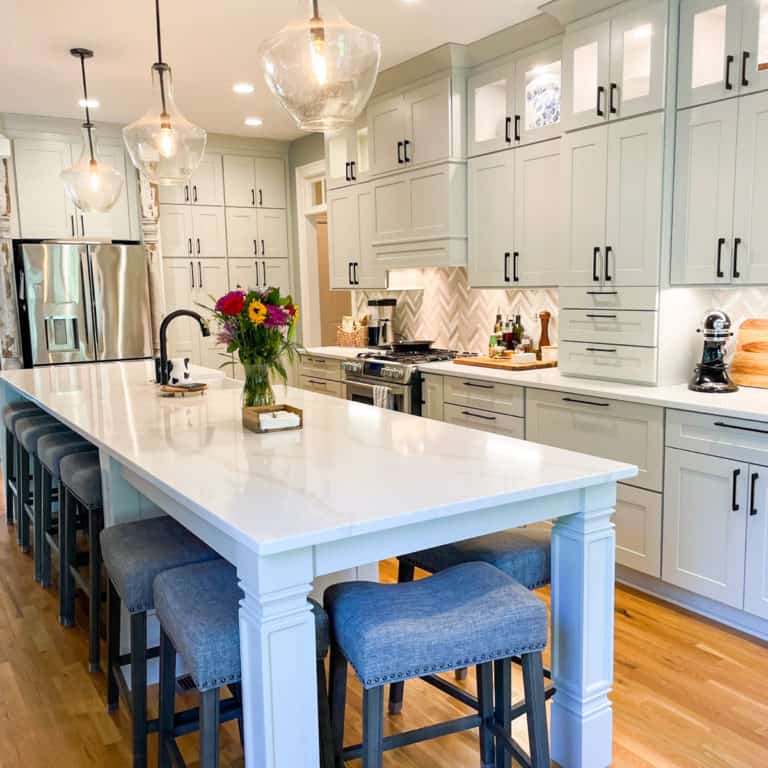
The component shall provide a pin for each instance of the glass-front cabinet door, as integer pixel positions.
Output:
(586, 60)
(638, 49)
(491, 110)
(753, 65)
(538, 87)
(710, 45)
(339, 154)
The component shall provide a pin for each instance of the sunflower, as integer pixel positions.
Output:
(257, 312)
(295, 313)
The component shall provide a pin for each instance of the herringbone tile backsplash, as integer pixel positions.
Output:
(456, 316)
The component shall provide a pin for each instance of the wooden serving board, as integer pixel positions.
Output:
(749, 367)
(503, 363)
(169, 390)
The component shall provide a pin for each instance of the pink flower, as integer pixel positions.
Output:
(276, 316)
(231, 303)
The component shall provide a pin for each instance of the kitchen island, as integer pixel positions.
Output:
(357, 484)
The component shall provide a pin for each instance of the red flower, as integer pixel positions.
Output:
(231, 303)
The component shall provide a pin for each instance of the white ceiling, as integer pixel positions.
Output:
(210, 46)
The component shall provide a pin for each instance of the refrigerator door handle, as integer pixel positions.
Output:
(82, 289)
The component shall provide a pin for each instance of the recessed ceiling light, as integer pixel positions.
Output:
(254, 122)
(243, 88)
(90, 103)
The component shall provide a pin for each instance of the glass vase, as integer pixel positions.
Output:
(257, 388)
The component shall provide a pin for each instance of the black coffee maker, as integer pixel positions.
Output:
(711, 374)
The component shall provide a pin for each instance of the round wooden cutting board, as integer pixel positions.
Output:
(749, 367)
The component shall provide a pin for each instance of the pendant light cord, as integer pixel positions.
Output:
(160, 66)
(157, 24)
(88, 123)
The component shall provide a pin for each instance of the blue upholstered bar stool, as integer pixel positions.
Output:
(51, 449)
(29, 430)
(198, 611)
(11, 413)
(133, 555)
(468, 614)
(522, 553)
(82, 509)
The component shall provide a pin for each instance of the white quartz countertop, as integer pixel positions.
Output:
(352, 469)
(337, 353)
(747, 403)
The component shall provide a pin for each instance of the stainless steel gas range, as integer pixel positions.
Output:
(394, 368)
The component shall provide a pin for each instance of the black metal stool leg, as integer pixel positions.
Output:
(67, 554)
(337, 700)
(37, 516)
(373, 727)
(24, 492)
(209, 729)
(11, 481)
(167, 699)
(324, 719)
(113, 646)
(46, 526)
(94, 579)
(139, 688)
(502, 683)
(533, 683)
(397, 690)
(485, 701)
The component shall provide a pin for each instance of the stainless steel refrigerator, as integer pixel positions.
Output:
(82, 302)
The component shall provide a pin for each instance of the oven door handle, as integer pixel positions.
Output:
(396, 389)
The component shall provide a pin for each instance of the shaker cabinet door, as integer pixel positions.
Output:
(206, 187)
(343, 236)
(244, 273)
(176, 232)
(270, 182)
(386, 133)
(273, 234)
(239, 183)
(756, 581)
(180, 284)
(242, 233)
(210, 232)
(428, 122)
(586, 63)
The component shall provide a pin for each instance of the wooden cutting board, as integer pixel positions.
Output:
(503, 363)
(749, 367)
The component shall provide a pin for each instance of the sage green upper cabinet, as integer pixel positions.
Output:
(615, 68)
(414, 127)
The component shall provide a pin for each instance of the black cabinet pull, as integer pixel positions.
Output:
(405, 151)
(199, 275)
(602, 317)
(517, 127)
(608, 252)
(752, 502)
(506, 266)
(720, 244)
(346, 172)
(400, 152)
(602, 293)
(197, 239)
(478, 416)
(186, 193)
(600, 349)
(612, 108)
(194, 193)
(734, 503)
(728, 65)
(261, 197)
(508, 130)
(595, 257)
(264, 267)
(82, 225)
(263, 249)
(354, 272)
(736, 244)
(255, 248)
(474, 385)
(741, 429)
(585, 402)
(192, 272)
(352, 170)
(253, 197)
(744, 60)
(600, 94)
(515, 259)
(72, 224)
(256, 264)
(189, 245)
(349, 273)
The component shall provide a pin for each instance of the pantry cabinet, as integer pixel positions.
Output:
(350, 222)
(258, 274)
(612, 179)
(615, 68)
(193, 232)
(254, 182)
(205, 187)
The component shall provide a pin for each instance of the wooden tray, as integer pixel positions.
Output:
(503, 363)
(252, 421)
(750, 360)
(169, 390)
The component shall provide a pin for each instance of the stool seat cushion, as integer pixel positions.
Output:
(51, 449)
(12, 410)
(322, 629)
(29, 430)
(135, 553)
(465, 615)
(81, 475)
(522, 553)
(197, 607)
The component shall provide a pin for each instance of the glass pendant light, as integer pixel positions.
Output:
(164, 145)
(321, 67)
(93, 186)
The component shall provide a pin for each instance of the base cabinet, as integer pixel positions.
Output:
(432, 396)
(756, 571)
(638, 529)
(488, 421)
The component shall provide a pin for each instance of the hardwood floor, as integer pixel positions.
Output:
(688, 693)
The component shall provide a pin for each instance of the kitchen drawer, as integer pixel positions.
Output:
(499, 423)
(638, 529)
(614, 298)
(321, 385)
(633, 327)
(486, 395)
(608, 361)
(737, 439)
(611, 429)
(320, 367)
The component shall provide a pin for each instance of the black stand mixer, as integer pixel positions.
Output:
(711, 374)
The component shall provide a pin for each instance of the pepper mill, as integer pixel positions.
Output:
(545, 317)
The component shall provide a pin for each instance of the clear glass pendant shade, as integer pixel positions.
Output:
(92, 186)
(321, 67)
(163, 144)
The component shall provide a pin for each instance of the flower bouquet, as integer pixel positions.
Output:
(260, 326)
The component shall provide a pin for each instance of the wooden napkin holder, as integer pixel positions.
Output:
(252, 417)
